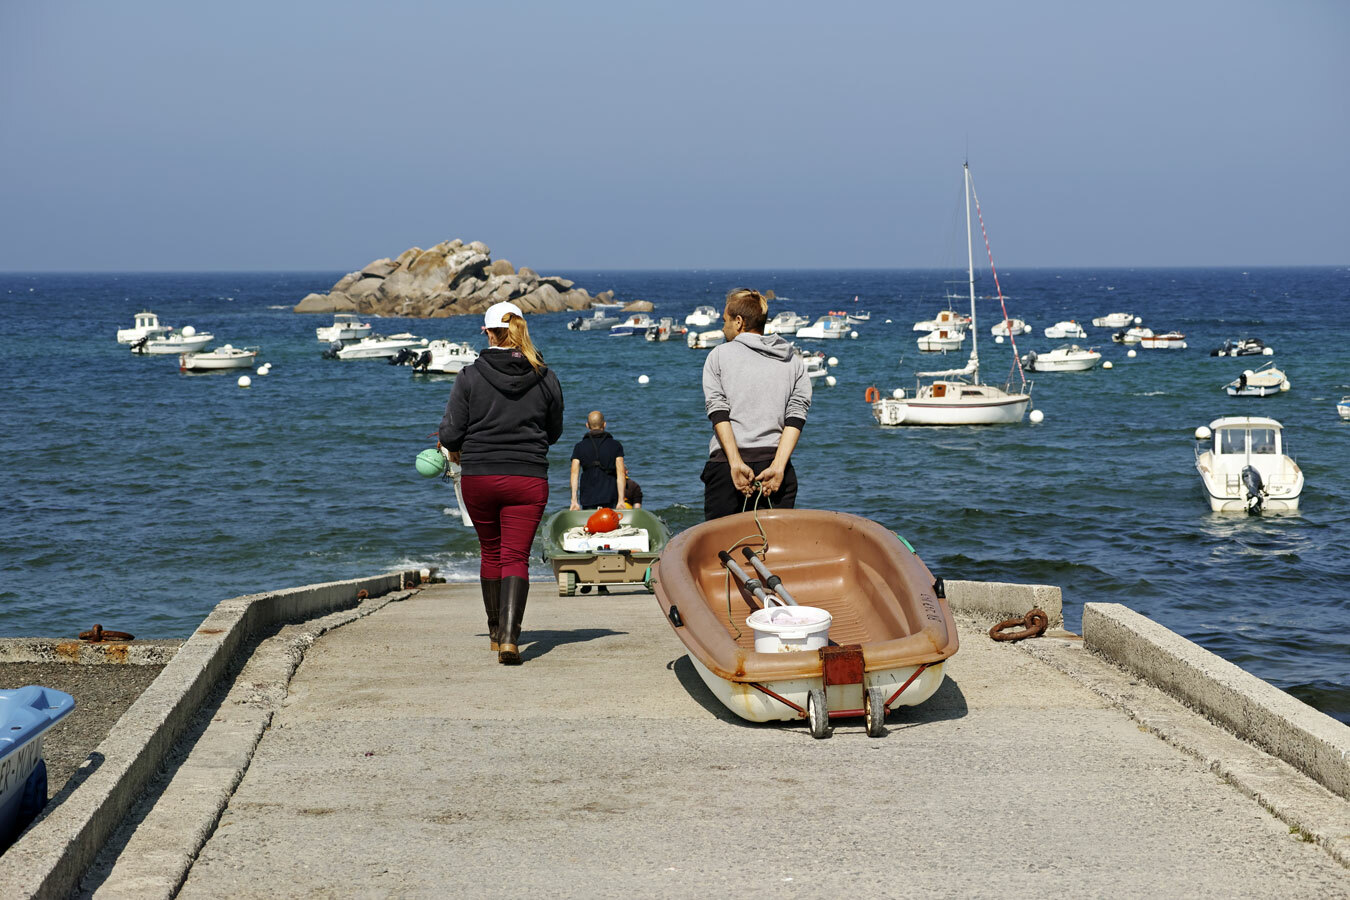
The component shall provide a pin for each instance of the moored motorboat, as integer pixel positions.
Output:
(828, 327)
(1066, 329)
(1243, 347)
(637, 323)
(189, 340)
(946, 318)
(1168, 340)
(1070, 358)
(786, 322)
(1244, 466)
(1132, 335)
(376, 346)
(439, 357)
(1266, 381)
(224, 357)
(702, 317)
(889, 627)
(663, 328)
(1343, 408)
(857, 318)
(1114, 320)
(1010, 328)
(596, 321)
(703, 340)
(942, 340)
(345, 327)
(816, 363)
(147, 323)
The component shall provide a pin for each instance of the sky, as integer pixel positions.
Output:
(306, 135)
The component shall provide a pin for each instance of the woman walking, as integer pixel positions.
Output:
(505, 409)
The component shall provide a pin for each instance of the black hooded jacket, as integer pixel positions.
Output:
(503, 415)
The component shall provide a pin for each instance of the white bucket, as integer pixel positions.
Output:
(787, 629)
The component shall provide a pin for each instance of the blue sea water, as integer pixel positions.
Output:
(138, 497)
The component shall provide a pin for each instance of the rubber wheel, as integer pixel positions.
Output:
(818, 714)
(874, 707)
(567, 583)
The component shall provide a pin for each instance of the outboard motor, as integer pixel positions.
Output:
(332, 351)
(422, 361)
(139, 346)
(403, 356)
(1030, 361)
(1119, 336)
(1256, 490)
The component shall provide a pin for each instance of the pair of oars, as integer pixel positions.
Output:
(754, 585)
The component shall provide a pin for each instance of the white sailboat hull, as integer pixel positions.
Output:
(986, 411)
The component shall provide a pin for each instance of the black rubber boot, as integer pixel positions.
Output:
(514, 591)
(492, 603)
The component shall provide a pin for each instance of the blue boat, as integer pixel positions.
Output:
(25, 716)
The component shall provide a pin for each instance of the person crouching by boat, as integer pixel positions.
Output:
(756, 393)
(505, 409)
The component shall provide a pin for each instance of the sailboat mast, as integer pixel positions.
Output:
(970, 272)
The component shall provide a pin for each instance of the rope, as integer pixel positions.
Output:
(764, 543)
(1011, 337)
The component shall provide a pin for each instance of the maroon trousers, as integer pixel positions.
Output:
(506, 510)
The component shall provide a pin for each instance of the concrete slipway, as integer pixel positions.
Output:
(307, 743)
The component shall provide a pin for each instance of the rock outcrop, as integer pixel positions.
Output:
(450, 279)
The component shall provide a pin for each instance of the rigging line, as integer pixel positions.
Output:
(1002, 303)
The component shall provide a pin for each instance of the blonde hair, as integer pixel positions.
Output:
(516, 336)
(750, 305)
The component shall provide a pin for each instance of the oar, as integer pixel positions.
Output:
(753, 585)
(771, 581)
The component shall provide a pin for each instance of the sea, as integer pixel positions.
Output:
(138, 497)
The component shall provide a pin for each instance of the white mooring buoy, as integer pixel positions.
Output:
(1132, 354)
(643, 379)
(1107, 364)
(831, 380)
(833, 361)
(1037, 417)
(245, 381)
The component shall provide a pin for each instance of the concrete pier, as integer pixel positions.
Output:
(380, 750)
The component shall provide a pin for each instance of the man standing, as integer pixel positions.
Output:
(598, 475)
(756, 393)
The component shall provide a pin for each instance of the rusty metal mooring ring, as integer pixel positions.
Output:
(97, 635)
(1033, 624)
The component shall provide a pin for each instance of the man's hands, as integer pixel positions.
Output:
(743, 477)
(771, 479)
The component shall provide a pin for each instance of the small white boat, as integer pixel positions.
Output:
(637, 323)
(1071, 358)
(596, 321)
(226, 357)
(1132, 335)
(1263, 382)
(189, 340)
(1244, 466)
(786, 322)
(377, 346)
(439, 357)
(609, 306)
(827, 328)
(147, 323)
(857, 318)
(942, 340)
(663, 328)
(816, 365)
(1065, 330)
(1170, 340)
(1115, 320)
(702, 317)
(1343, 408)
(945, 319)
(1244, 347)
(702, 340)
(345, 327)
(1009, 328)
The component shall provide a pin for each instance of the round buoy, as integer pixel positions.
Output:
(1284, 385)
(263, 370)
(1267, 351)
(602, 520)
(1107, 364)
(1131, 354)
(898, 393)
(1037, 417)
(1203, 434)
(833, 361)
(430, 463)
(1138, 320)
(188, 331)
(831, 380)
(245, 381)
(888, 321)
(643, 379)
(999, 339)
(853, 335)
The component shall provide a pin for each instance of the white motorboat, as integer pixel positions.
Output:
(702, 317)
(1343, 408)
(375, 346)
(829, 327)
(944, 319)
(224, 357)
(1115, 320)
(439, 357)
(147, 323)
(1010, 328)
(816, 365)
(596, 321)
(637, 323)
(189, 340)
(942, 340)
(786, 322)
(1243, 463)
(609, 306)
(1170, 340)
(703, 340)
(951, 399)
(1132, 335)
(857, 318)
(1065, 330)
(1070, 358)
(1244, 347)
(1266, 381)
(663, 328)
(345, 327)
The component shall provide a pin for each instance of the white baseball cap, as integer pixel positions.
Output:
(495, 317)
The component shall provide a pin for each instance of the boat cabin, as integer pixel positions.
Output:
(1244, 435)
(147, 320)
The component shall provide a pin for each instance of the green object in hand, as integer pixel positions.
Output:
(430, 463)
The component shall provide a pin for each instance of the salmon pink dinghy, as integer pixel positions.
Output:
(817, 615)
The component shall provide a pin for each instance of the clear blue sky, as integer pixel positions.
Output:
(320, 135)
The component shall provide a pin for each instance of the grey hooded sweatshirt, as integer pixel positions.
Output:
(760, 386)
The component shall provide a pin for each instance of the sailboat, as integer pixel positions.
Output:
(957, 396)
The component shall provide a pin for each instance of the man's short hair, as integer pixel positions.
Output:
(751, 306)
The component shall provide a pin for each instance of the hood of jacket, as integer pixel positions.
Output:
(770, 345)
(508, 371)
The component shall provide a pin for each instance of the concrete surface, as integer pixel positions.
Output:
(998, 600)
(405, 761)
(1311, 741)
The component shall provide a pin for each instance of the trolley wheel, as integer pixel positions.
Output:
(874, 706)
(567, 583)
(818, 714)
